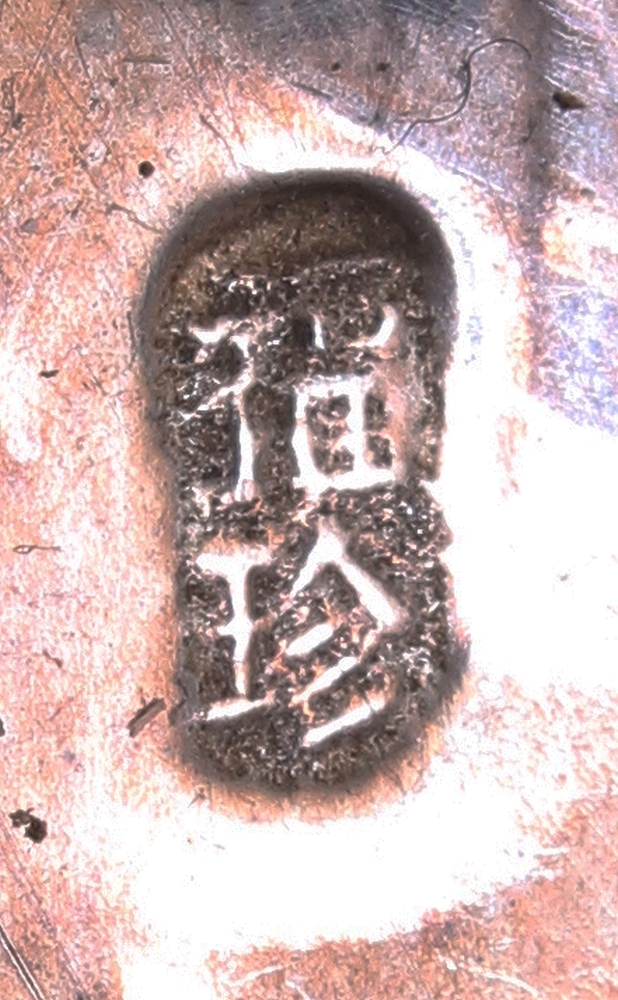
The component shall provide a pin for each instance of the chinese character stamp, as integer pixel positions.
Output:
(297, 370)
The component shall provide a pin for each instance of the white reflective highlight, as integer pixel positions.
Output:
(234, 566)
(232, 709)
(213, 334)
(310, 640)
(245, 486)
(387, 328)
(330, 548)
(345, 721)
(318, 334)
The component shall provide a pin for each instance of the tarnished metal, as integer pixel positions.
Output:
(296, 363)
(483, 865)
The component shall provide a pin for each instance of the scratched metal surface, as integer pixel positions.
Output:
(490, 868)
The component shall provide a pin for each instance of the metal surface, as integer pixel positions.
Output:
(486, 867)
(295, 358)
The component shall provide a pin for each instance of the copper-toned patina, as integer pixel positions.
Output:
(480, 859)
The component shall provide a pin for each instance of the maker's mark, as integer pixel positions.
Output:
(297, 371)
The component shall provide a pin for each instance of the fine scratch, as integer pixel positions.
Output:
(514, 981)
(26, 549)
(151, 59)
(133, 216)
(464, 96)
(191, 64)
(42, 47)
(314, 91)
(251, 977)
(43, 54)
(292, 985)
(20, 966)
(82, 60)
(58, 976)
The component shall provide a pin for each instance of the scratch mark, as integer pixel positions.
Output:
(144, 716)
(82, 59)
(132, 339)
(464, 97)
(314, 91)
(269, 970)
(14, 120)
(76, 104)
(50, 28)
(53, 659)
(182, 46)
(96, 380)
(25, 550)
(61, 708)
(502, 977)
(82, 111)
(152, 59)
(292, 985)
(205, 121)
(133, 216)
(65, 981)
(20, 966)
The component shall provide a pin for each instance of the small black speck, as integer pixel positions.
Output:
(49, 372)
(335, 67)
(382, 67)
(2, 729)
(146, 168)
(34, 828)
(36, 831)
(18, 120)
(30, 226)
(567, 101)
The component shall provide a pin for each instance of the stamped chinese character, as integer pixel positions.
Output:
(297, 366)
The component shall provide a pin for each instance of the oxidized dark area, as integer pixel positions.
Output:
(281, 294)
(35, 829)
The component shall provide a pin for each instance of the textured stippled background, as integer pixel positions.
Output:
(333, 251)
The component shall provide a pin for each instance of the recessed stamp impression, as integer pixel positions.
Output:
(296, 365)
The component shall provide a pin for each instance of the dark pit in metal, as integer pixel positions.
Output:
(266, 323)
